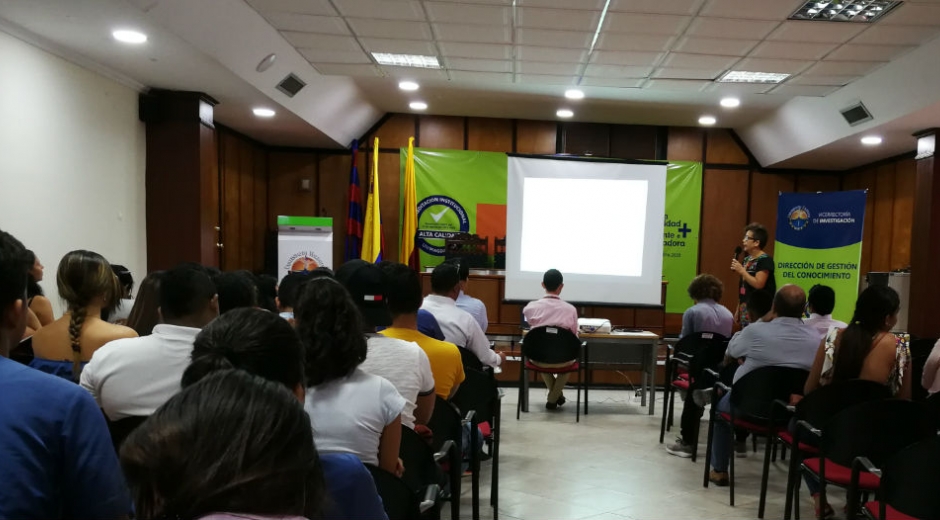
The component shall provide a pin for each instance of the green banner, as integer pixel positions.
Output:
(681, 231)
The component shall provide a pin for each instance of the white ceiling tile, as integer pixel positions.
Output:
(328, 56)
(399, 46)
(819, 32)
(551, 68)
(319, 7)
(470, 64)
(536, 79)
(449, 32)
(722, 46)
(588, 81)
(307, 23)
(550, 54)
(680, 7)
(644, 59)
(594, 5)
(843, 68)
(546, 38)
(481, 77)
(834, 81)
(792, 50)
(468, 13)
(567, 19)
(684, 73)
(616, 71)
(910, 13)
(340, 69)
(381, 9)
(488, 51)
(699, 61)
(772, 65)
(618, 41)
(750, 9)
(802, 90)
(677, 84)
(414, 72)
(859, 52)
(321, 41)
(369, 28)
(896, 35)
(731, 89)
(733, 29)
(645, 23)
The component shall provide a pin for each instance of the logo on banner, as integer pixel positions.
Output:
(798, 218)
(303, 262)
(439, 218)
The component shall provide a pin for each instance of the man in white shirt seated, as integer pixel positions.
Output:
(551, 310)
(820, 302)
(473, 306)
(133, 377)
(458, 325)
(402, 363)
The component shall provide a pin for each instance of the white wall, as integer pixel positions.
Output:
(71, 161)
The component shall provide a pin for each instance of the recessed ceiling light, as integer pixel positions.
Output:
(707, 120)
(263, 112)
(129, 36)
(730, 102)
(418, 105)
(871, 140)
(564, 112)
(408, 85)
(407, 60)
(859, 11)
(744, 76)
(574, 94)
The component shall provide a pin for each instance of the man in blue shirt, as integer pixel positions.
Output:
(472, 305)
(56, 457)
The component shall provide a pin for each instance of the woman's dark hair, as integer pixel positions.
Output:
(267, 292)
(873, 307)
(125, 277)
(33, 288)
(236, 289)
(759, 232)
(144, 315)
(82, 277)
(706, 287)
(330, 328)
(253, 340)
(232, 442)
(14, 269)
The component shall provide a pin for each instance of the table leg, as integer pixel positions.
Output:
(525, 392)
(652, 379)
(644, 387)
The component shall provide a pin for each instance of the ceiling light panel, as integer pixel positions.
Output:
(744, 76)
(857, 11)
(407, 60)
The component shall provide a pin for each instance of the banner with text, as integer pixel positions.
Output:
(461, 191)
(819, 241)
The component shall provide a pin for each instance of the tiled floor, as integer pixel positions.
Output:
(610, 466)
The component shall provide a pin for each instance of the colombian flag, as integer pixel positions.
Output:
(372, 240)
(354, 215)
(408, 254)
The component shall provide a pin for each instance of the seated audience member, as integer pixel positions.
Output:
(931, 376)
(145, 315)
(287, 292)
(87, 285)
(551, 310)
(134, 377)
(39, 305)
(56, 457)
(402, 363)
(427, 324)
(122, 307)
(404, 299)
(707, 315)
(264, 345)
(236, 289)
(351, 410)
(458, 325)
(820, 303)
(267, 292)
(782, 342)
(232, 446)
(472, 305)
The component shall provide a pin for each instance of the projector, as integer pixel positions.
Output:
(594, 325)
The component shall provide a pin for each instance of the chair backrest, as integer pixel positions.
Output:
(551, 345)
(820, 405)
(704, 350)
(753, 395)
(470, 360)
(23, 351)
(933, 407)
(420, 468)
(399, 501)
(478, 392)
(121, 428)
(446, 424)
(876, 429)
(910, 480)
(920, 351)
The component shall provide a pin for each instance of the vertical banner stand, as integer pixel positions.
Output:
(303, 244)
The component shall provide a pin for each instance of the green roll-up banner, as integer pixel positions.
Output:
(461, 191)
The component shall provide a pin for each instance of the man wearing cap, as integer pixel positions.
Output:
(552, 311)
(402, 363)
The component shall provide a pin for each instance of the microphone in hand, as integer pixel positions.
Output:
(737, 252)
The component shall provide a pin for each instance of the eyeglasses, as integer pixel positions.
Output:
(749, 238)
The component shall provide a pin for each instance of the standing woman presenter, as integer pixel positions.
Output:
(756, 271)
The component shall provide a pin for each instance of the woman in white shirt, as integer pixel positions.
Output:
(350, 411)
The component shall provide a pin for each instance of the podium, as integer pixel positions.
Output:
(303, 244)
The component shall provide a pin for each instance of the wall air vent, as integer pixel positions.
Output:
(856, 114)
(291, 85)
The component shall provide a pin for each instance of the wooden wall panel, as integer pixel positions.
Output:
(586, 139)
(724, 215)
(230, 198)
(723, 149)
(903, 218)
(765, 190)
(245, 210)
(210, 202)
(243, 175)
(489, 135)
(883, 218)
(394, 133)
(390, 191)
(633, 141)
(536, 137)
(440, 132)
(333, 196)
(810, 183)
(862, 180)
(684, 144)
(286, 171)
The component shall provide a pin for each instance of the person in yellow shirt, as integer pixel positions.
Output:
(404, 300)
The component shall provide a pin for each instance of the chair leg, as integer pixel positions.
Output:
(783, 452)
(577, 416)
(793, 470)
(773, 452)
(455, 477)
(522, 376)
(695, 434)
(708, 445)
(765, 475)
(494, 482)
(662, 429)
(475, 473)
(672, 405)
(731, 466)
(754, 442)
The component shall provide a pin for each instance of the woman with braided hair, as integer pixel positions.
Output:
(87, 284)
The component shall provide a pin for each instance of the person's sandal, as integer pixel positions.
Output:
(827, 513)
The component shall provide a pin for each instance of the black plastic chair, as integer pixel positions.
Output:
(422, 466)
(909, 482)
(121, 428)
(480, 393)
(398, 499)
(817, 408)
(550, 345)
(447, 426)
(23, 351)
(933, 406)
(752, 407)
(876, 430)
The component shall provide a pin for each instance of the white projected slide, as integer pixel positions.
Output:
(598, 222)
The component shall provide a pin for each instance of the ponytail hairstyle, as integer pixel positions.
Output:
(873, 307)
(84, 278)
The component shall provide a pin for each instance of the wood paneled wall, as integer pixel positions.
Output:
(243, 174)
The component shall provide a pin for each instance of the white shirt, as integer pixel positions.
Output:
(349, 414)
(405, 365)
(460, 328)
(475, 307)
(822, 323)
(135, 376)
